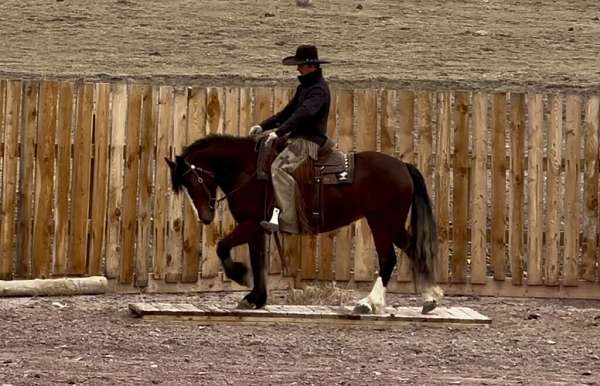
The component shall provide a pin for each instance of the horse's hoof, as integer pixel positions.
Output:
(429, 306)
(362, 308)
(245, 305)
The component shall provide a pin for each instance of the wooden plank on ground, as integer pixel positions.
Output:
(327, 315)
(553, 192)
(590, 179)
(192, 229)
(479, 190)
(29, 121)
(572, 195)
(149, 118)
(366, 139)
(517, 193)
(80, 191)
(406, 152)
(535, 184)
(100, 180)
(43, 226)
(344, 257)
(210, 233)
(130, 182)
(498, 240)
(63, 176)
(175, 218)
(162, 184)
(460, 196)
(9, 178)
(442, 186)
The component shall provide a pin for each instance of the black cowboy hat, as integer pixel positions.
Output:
(305, 54)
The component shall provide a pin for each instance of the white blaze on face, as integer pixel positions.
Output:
(191, 202)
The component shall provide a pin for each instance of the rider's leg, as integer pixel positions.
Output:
(284, 186)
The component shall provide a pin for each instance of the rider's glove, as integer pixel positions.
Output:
(272, 135)
(255, 130)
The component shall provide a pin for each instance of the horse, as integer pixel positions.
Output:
(385, 190)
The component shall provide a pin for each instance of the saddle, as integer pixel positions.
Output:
(332, 167)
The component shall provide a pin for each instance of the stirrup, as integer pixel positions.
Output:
(269, 227)
(272, 225)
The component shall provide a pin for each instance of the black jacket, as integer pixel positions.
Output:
(306, 114)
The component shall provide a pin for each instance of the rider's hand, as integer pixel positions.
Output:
(272, 135)
(255, 130)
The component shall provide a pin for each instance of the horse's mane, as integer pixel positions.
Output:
(211, 140)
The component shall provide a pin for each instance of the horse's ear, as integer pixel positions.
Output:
(171, 164)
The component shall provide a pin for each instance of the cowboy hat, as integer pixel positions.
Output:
(305, 54)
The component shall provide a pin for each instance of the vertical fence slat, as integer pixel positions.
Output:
(146, 171)
(553, 205)
(175, 219)
(82, 154)
(572, 188)
(281, 97)
(498, 241)
(162, 184)
(327, 240)
(9, 179)
(192, 230)
(130, 182)
(517, 177)
(29, 118)
(460, 194)
(63, 176)
(442, 186)
(406, 152)
(43, 228)
(99, 196)
(2, 152)
(479, 190)
(425, 135)
(590, 209)
(210, 233)
(535, 183)
(343, 245)
(242, 253)
(366, 139)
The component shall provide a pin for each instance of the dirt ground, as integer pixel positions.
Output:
(94, 340)
(485, 43)
(495, 44)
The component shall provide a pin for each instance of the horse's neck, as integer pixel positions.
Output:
(229, 162)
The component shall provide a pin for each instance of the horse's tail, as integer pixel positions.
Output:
(423, 244)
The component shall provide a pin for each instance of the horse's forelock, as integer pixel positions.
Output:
(177, 174)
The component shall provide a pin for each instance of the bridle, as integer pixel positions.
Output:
(212, 201)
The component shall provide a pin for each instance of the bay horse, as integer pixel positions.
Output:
(384, 191)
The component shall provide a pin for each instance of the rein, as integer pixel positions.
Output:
(213, 202)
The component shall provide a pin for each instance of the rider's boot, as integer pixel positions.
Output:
(272, 225)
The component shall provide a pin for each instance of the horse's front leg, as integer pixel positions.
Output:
(242, 234)
(257, 298)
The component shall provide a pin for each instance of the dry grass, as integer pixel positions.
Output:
(319, 294)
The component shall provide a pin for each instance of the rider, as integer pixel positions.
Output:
(304, 122)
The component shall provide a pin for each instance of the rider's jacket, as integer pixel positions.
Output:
(306, 114)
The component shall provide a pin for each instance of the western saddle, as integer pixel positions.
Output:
(332, 167)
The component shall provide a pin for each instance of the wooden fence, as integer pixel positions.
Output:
(85, 190)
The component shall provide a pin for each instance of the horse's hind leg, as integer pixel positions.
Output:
(432, 294)
(375, 302)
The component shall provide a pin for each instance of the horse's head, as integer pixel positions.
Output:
(199, 184)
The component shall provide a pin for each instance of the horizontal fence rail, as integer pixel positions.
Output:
(85, 189)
